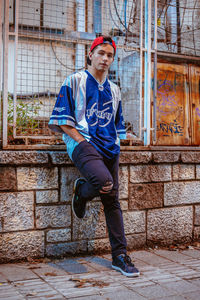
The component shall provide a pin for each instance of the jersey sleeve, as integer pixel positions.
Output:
(63, 112)
(119, 121)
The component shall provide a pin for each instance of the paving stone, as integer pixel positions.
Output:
(181, 287)
(98, 263)
(16, 272)
(154, 291)
(191, 253)
(47, 270)
(37, 288)
(176, 297)
(176, 256)
(150, 258)
(176, 193)
(8, 292)
(37, 178)
(117, 294)
(192, 295)
(75, 268)
(17, 211)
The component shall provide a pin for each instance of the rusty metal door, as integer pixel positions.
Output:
(195, 103)
(172, 111)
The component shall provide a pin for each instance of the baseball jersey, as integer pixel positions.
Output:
(92, 108)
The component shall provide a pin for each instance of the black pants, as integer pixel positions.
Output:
(99, 172)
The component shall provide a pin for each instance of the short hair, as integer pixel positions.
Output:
(106, 38)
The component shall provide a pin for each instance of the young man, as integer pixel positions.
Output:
(89, 114)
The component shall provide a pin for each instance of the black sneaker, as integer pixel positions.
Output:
(123, 264)
(78, 205)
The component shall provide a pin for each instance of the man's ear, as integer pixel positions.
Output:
(90, 55)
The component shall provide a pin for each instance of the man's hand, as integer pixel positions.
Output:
(73, 133)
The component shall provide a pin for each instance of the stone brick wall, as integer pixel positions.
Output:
(159, 195)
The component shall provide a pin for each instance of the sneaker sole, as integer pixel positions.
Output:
(126, 274)
(74, 188)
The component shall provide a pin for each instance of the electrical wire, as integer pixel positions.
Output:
(71, 69)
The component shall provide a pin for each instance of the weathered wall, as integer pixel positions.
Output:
(159, 195)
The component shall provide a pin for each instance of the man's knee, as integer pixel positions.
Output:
(106, 188)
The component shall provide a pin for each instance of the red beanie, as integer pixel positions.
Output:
(100, 40)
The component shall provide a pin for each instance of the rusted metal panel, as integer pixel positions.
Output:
(172, 105)
(195, 103)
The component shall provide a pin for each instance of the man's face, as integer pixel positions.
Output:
(102, 57)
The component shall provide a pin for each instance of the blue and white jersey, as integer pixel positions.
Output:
(94, 110)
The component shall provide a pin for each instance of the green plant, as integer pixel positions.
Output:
(26, 113)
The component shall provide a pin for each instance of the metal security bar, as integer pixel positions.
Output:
(47, 40)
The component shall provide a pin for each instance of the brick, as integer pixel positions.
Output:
(8, 180)
(23, 157)
(53, 216)
(190, 157)
(146, 195)
(136, 241)
(123, 182)
(21, 245)
(50, 196)
(62, 249)
(99, 245)
(166, 157)
(37, 178)
(198, 171)
(150, 173)
(197, 233)
(134, 222)
(183, 172)
(59, 235)
(93, 225)
(68, 176)
(124, 204)
(60, 158)
(135, 157)
(197, 215)
(176, 193)
(16, 211)
(169, 225)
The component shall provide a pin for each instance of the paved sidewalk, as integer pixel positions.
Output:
(165, 275)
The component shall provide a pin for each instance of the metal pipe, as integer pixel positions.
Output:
(147, 71)
(80, 27)
(15, 68)
(141, 66)
(5, 72)
(155, 72)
